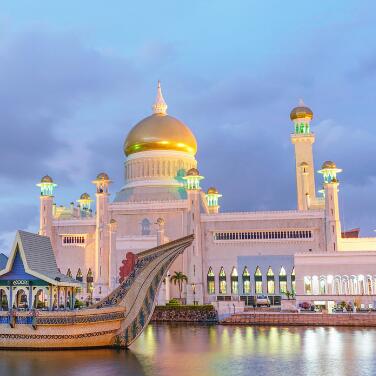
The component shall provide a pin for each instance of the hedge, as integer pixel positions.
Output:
(202, 308)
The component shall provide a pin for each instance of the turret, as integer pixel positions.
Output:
(212, 197)
(192, 179)
(85, 202)
(47, 187)
(329, 171)
(303, 139)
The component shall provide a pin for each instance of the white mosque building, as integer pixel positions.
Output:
(235, 255)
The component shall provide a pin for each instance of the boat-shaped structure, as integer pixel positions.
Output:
(117, 320)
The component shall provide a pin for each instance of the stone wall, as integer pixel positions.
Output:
(185, 314)
(297, 319)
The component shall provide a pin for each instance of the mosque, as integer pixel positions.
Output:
(235, 255)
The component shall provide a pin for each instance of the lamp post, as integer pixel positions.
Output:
(194, 293)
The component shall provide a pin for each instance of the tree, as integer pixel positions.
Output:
(179, 278)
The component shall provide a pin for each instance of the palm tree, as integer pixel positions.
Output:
(179, 278)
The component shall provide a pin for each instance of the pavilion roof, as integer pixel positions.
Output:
(38, 258)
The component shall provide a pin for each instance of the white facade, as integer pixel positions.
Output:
(243, 253)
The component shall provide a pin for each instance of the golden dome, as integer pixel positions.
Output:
(328, 165)
(212, 191)
(46, 179)
(301, 112)
(160, 132)
(85, 196)
(193, 172)
(102, 176)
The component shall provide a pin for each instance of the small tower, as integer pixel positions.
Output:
(329, 171)
(85, 202)
(47, 187)
(212, 200)
(192, 179)
(101, 268)
(303, 139)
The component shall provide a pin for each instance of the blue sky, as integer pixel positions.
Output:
(75, 76)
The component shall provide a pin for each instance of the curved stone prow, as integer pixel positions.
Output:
(138, 293)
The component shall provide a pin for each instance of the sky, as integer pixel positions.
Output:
(76, 76)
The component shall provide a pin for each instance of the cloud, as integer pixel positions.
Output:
(45, 79)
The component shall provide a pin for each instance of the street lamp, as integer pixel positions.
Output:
(194, 293)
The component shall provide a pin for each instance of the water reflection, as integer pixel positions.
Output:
(186, 350)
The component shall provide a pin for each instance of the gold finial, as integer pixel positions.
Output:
(160, 106)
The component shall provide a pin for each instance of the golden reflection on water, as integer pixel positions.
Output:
(189, 350)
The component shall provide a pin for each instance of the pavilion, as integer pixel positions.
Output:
(30, 278)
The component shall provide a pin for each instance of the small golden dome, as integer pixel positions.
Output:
(328, 165)
(212, 191)
(102, 176)
(301, 112)
(160, 132)
(46, 179)
(304, 164)
(85, 196)
(193, 172)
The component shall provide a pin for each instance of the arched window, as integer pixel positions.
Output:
(145, 227)
(234, 281)
(293, 283)
(282, 281)
(270, 285)
(246, 281)
(222, 281)
(258, 281)
(211, 282)
(345, 285)
(322, 286)
(369, 285)
(307, 285)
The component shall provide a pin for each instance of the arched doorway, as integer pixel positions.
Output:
(21, 299)
(4, 304)
(40, 299)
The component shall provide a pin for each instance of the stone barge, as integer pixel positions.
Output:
(117, 320)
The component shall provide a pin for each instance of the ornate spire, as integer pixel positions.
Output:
(160, 106)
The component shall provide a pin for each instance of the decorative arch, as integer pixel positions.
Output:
(246, 281)
(270, 283)
(282, 280)
(307, 285)
(222, 281)
(258, 280)
(4, 299)
(145, 227)
(210, 281)
(234, 281)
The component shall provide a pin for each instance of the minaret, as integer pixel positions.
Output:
(101, 267)
(47, 187)
(212, 200)
(303, 139)
(195, 287)
(332, 223)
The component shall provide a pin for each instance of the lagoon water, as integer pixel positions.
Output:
(186, 350)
